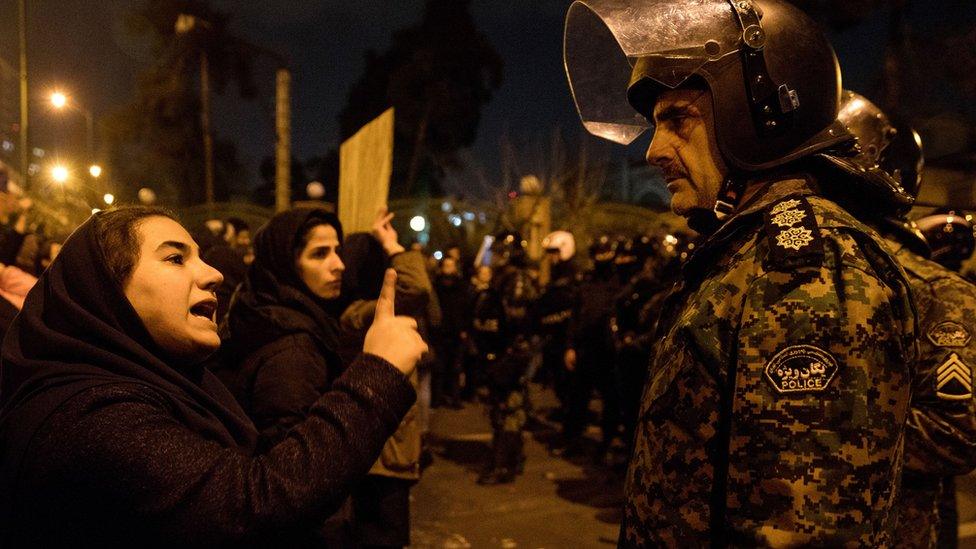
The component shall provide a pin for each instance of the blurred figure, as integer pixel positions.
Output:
(381, 501)
(477, 339)
(227, 256)
(589, 354)
(237, 233)
(631, 326)
(555, 311)
(503, 323)
(450, 336)
(14, 209)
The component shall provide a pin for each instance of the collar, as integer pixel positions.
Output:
(748, 216)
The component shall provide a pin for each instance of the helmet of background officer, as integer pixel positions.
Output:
(885, 169)
(603, 250)
(731, 88)
(508, 248)
(560, 246)
(632, 254)
(887, 162)
(950, 237)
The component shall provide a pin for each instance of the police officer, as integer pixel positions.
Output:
(941, 437)
(503, 326)
(631, 323)
(589, 357)
(950, 236)
(780, 384)
(554, 312)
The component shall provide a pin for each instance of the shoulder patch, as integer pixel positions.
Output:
(955, 379)
(793, 234)
(801, 369)
(949, 334)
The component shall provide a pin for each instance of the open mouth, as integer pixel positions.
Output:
(206, 309)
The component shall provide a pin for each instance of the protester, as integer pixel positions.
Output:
(452, 293)
(381, 502)
(227, 256)
(111, 433)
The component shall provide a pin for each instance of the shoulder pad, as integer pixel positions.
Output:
(793, 234)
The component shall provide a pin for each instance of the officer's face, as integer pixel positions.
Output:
(685, 149)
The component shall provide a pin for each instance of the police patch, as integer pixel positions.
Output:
(955, 379)
(800, 369)
(949, 334)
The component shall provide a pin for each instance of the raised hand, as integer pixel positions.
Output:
(390, 337)
(384, 233)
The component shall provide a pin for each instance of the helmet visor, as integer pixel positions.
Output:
(608, 44)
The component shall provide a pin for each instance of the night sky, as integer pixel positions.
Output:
(83, 47)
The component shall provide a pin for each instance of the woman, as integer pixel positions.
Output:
(111, 432)
(281, 334)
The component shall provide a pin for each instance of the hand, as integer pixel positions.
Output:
(569, 359)
(385, 234)
(393, 338)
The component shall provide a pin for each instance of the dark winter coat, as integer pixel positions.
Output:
(280, 340)
(103, 442)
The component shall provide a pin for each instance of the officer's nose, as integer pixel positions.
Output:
(659, 153)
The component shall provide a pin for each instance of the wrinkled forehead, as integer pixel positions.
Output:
(680, 98)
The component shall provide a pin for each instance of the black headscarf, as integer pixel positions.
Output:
(366, 263)
(78, 331)
(273, 301)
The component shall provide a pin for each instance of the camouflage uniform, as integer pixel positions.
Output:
(502, 329)
(941, 436)
(777, 397)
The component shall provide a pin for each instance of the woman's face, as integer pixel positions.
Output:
(172, 290)
(319, 265)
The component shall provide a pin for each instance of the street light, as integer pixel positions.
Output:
(59, 173)
(418, 223)
(59, 100)
(95, 170)
(109, 198)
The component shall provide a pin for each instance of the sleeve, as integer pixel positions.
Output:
(941, 437)
(822, 388)
(413, 287)
(287, 383)
(413, 290)
(189, 490)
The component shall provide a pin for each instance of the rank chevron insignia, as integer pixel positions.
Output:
(955, 379)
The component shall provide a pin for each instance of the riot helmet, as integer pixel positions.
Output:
(632, 254)
(507, 248)
(950, 237)
(561, 243)
(774, 78)
(886, 161)
(603, 250)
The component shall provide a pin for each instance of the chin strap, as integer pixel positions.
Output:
(729, 195)
(706, 221)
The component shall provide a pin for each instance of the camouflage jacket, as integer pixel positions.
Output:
(775, 407)
(941, 437)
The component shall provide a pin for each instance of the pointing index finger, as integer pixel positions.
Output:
(384, 304)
